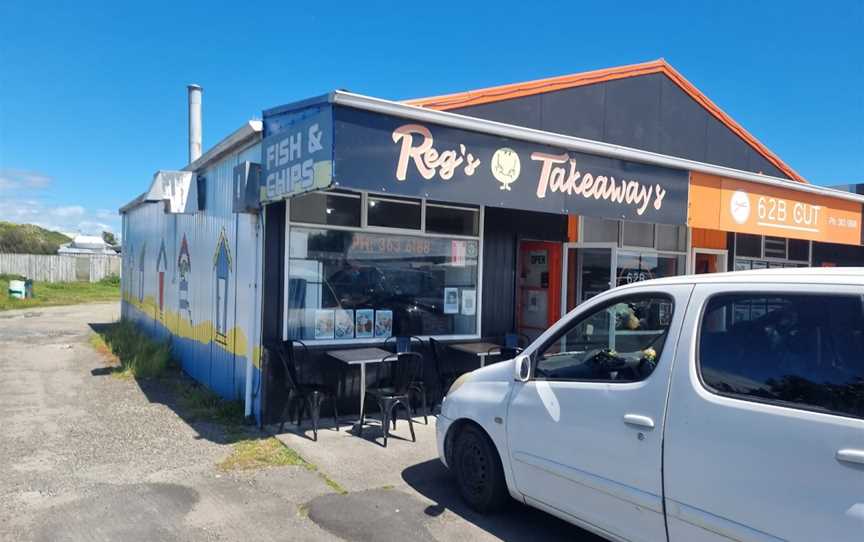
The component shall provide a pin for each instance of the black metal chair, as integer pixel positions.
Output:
(389, 398)
(418, 385)
(309, 395)
(444, 371)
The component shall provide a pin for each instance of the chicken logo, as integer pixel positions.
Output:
(505, 167)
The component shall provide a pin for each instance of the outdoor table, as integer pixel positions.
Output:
(361, 357)
(481, 350)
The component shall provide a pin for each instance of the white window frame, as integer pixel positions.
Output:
(364, 227)
(616, 248)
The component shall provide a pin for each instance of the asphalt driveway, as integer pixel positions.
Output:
(86, 456)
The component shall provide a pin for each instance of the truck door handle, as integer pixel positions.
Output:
(639, 420)
(849, 455)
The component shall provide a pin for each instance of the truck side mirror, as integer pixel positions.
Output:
(522, 368)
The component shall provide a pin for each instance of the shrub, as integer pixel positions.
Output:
(110, 280)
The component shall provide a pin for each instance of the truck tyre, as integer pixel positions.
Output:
(478, 471)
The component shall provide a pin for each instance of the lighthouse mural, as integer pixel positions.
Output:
(141, 259)
(161, 266)
(184, 268)
(222, 268)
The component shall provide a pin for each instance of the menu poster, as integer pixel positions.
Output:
(364, 319)
(469, 302)
(324, 323)
(383, 323)
(344, 324)
(451, 300)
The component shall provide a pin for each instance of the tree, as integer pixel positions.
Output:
(109, 238)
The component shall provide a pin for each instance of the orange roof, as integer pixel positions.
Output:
(530, 88)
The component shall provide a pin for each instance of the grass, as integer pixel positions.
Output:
(257, 453)
(133, 354)
(47, 294)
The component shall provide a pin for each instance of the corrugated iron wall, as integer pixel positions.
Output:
(192, 278)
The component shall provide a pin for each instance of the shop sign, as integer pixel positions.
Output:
(296, 153)
(389, 154)
(765, 210)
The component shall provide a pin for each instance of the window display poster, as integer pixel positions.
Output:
(364, 319)
(383, 323)
(469, 302)
(457, 253)
(344, 328)
(324, 323)
(451, 300)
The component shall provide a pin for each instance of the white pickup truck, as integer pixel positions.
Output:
(709, 408)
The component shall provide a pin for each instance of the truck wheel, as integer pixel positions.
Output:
(478, 471)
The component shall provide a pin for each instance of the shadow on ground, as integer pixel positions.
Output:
(518, 522)
(213, 419)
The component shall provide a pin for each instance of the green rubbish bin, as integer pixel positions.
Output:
(28, 289)
(17, 289)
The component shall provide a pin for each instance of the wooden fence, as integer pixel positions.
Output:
(60, 268)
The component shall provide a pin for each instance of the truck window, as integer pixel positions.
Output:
(797, 350)
(619, 342)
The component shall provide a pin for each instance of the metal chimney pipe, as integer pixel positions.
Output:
(194, 92)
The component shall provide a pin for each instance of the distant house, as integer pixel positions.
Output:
(87, 245)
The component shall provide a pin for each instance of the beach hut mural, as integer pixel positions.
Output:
(141, 259)
(222, 268)
(161, 266)
(184, 268)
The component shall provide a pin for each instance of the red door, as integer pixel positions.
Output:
(538, 301)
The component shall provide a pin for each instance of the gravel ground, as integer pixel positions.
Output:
(86, 456)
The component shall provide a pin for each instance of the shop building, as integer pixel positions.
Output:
(345, 220)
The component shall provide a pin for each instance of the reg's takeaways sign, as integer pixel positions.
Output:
(297, 152)
(382, 153)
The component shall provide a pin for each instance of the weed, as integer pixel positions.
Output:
(110, 280)
(270, 452)
(258, 453)
(199, 403)
(133, 353)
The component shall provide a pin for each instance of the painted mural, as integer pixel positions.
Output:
(161, 266)
(208, 312)
(184, 269)
(222, 269)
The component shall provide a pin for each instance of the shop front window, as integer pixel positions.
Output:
(638, 266)
(357, 285)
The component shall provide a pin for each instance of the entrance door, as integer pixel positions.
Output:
(538, 302)
(705, 261)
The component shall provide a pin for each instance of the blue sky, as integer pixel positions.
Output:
(92, 94)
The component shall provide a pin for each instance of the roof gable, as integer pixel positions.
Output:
(719, 128)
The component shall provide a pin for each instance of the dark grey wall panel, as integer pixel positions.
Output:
(759, 163)
(521, 112)
(724, 148)
(503, 228)
(575, 111)
(683, 123)
(648, 112)
(633, 112)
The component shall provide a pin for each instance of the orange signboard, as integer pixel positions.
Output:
(745, 207)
